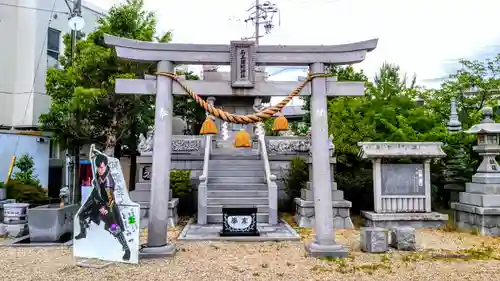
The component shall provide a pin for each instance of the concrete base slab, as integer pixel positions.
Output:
(210, 232)
(415, 220)
(321, 251)
(95, 264)
(165, 251)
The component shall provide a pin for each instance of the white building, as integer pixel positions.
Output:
(32, 39)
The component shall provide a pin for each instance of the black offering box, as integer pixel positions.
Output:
(239, 222)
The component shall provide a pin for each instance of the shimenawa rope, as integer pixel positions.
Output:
(242, 119)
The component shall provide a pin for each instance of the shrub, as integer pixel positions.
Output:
(180, 182)
(25, 192)
(296, 177)
(26, 167)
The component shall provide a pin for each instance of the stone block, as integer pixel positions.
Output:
(343, 212)
(486, 178)
(403, 238)
(16, 230)
(374, 240)
(304, 214)
(3, 229)
(415, 220)
(481, 200)
(337, 195)
(308, 194)
(482, 188)
(485, 220)
(173, 217)
(309, 185)
(3, 202)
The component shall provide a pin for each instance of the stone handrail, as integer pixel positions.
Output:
(203, 186)
(271, 184)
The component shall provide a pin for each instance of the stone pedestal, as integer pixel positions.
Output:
(304, 209)
(304, 206)
(173, 217)
(478, 208)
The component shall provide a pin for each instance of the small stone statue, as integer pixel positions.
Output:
(331, 146)
(330, 143)
(146, 143)
(64, 196)
(257, 107)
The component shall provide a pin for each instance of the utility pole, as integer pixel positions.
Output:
(262, 14)
(75, 23)
(75, 20)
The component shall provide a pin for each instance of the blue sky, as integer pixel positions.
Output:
(425, 37)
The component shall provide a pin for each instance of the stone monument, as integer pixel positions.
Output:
(304, 206)
(402, 192)
(479, 206)
(451, 173)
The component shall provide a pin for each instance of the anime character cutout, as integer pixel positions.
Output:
(101, 205)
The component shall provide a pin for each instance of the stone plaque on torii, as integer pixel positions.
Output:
(242, 56)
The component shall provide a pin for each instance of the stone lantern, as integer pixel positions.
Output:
(478, 208)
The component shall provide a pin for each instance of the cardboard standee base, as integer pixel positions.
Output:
(93, 263)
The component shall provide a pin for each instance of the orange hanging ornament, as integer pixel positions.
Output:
(242, 139)
(280, 123)
(208, 127)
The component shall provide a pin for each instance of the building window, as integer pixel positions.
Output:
(53, 47)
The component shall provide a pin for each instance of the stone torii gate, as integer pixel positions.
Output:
(243, 56)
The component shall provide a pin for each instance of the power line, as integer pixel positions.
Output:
(262, 14)
(36, 9)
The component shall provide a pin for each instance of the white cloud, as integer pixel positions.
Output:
(419, 35)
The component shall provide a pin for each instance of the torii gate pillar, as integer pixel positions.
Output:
(162, 147)
(242, 56)
(324, 243)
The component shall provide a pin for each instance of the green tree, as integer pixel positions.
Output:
(26, 171)
(188, 109)
(484, 76)
(347, 73)
(387, 112)
(85, 108)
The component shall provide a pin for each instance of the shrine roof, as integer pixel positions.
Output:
(370, 150)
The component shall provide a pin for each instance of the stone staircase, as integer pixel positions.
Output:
(236, 178)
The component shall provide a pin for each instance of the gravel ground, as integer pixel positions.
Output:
(441, 256)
